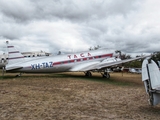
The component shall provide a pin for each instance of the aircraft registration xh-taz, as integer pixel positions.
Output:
(85, 62)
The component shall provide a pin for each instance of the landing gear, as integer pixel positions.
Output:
(88, 74)
(20, 74)
(105, 75)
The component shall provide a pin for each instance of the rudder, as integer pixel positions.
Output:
(14, 56)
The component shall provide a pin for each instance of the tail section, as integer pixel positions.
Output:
(151, 79)
(14, 56)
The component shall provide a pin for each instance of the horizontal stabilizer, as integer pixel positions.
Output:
(13, 68)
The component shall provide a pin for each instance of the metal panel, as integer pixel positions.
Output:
(154, 75)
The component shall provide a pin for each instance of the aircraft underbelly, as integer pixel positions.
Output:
(44, 70)
(51, 68)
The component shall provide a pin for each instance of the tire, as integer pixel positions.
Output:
(106, 75)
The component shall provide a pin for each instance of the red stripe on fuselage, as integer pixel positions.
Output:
(83, 59)
(15, 58)
(10, 46)
(78, 60)
(13, 52)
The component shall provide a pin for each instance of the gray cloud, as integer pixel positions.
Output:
(61, 9)
(74, 25)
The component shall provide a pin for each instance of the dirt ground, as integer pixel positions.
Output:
(71, 96)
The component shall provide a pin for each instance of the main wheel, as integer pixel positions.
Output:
(88, 74)
(106, 75)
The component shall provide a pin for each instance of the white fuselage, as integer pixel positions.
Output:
(61, 63)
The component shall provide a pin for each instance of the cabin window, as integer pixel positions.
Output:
(96, 57)
(90, 58)
(84, 58)
(71, 61)
(78, 60)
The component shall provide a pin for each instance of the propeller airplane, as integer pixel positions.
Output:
(86, 62)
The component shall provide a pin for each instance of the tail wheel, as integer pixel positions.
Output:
(106, 75)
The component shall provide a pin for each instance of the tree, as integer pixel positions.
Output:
(124, 56)
(156, 57)
(134, 64)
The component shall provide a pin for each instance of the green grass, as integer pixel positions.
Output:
(78, 76)
(95, 79)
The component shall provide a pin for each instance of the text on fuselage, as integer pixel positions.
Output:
(42, 65)
(81, 55)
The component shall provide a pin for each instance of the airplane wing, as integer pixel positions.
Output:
(85, 66)
(98, 65)
(109, 64)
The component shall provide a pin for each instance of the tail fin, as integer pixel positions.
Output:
(151, 79)
(14, 56)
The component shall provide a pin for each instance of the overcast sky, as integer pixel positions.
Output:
(132, 26)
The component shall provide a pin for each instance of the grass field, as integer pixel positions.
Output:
(73, 96)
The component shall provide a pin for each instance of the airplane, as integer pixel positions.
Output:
(87, 62)
(133, 70)
(2, 65)
(151, 79)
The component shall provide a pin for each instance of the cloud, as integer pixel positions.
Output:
(53, 25)
(77, 10)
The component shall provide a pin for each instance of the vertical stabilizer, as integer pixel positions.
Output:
(14, 56)
(151, 79)
(154, 74)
